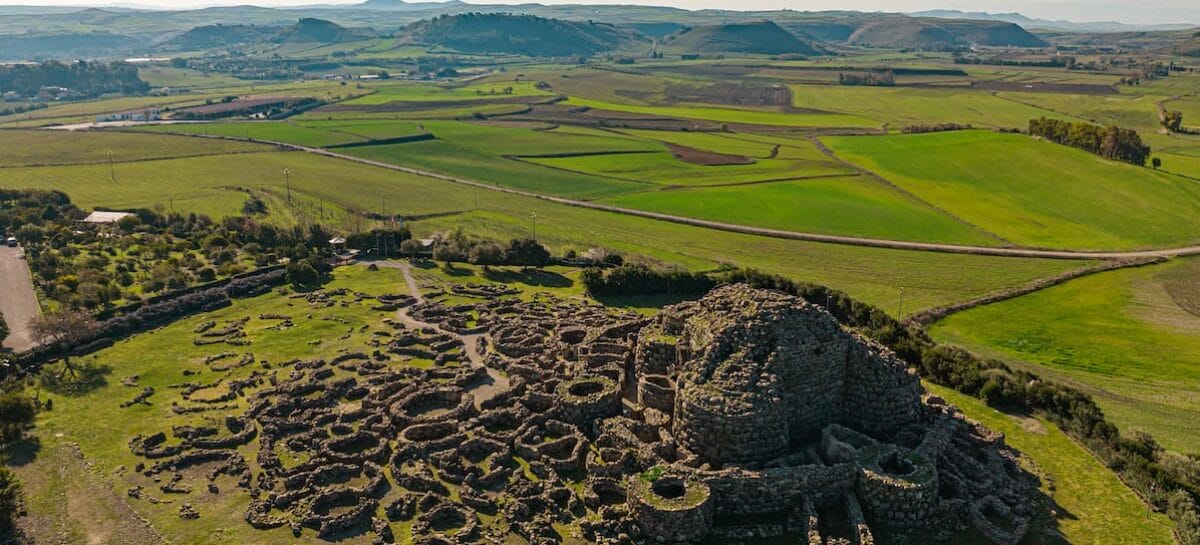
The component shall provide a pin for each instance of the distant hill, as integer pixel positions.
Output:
(214, 36)
(1031, 23)
(923, 33)
(516, 34)
(320, 31)
(397, 5)
(764, 37)
(64, 45)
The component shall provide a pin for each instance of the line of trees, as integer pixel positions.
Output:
(1111, 142)
(17, 412)
(87, 79)
(870, 79)
(1167, 481)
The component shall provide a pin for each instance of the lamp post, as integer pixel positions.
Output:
(287, 182)
(533, 218)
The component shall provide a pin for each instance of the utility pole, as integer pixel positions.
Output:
(900, 313)
(533, 217)
(112, 173)
(287, 182)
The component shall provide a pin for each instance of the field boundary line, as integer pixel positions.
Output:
(932, 315)
(748, 230)
(821, 147)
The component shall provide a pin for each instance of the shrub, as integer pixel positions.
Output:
(10, 501)
(302, 273)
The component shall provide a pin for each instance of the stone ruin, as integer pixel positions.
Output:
(745, 415)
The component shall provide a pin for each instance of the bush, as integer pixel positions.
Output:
(302, 273)
(10, 501)
(488, 253)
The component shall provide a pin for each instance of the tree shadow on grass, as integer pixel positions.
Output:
(643, 301)
(529, 277)
(75, 380)
(21, 452)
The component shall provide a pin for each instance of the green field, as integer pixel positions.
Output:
(900, 106)
(853, 205)
(42, 147)
(1130, 337)
(325, 187)
(1094, 507)
(1034, 193)
(665, 169)
(305, 133)
(732, 115)
(425, 93)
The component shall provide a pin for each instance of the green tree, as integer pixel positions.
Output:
(302, 273)
(10, 500)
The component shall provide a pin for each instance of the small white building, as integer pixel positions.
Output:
(139, 115)
(105, 218)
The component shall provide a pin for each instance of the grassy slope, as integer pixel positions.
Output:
(732, 115)
(663, 168)
(906, 106)
(1118, 333)
(205, 185)
(1045, 195)
(420, 93)
(261, 130)
(855, 205)
(1094, 506)
(39, 147)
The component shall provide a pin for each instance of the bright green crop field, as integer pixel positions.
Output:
(43, 147)
(732, 115)
(663, 168)
(850, 205)
(1034, 193)
(424, 93)
(261, 130)
(898, 106)
(325, 187)
(305, 133)
(1131, 337)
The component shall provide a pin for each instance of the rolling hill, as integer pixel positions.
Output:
(516, 34)
(311, 30)
(212, 36)
(764, 37)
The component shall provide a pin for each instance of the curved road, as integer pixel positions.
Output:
(749, 230)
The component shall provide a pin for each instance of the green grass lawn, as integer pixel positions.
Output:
(1034, 193)
(273, 131)
(733, 115)
(900, 106)
(42, 147)
(1122, 335)
(1094, 506)
(852, 205)
(427, 93)
(664, 168)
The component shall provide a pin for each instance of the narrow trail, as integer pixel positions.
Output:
(18, 300)
(749, 230)
(472, 344)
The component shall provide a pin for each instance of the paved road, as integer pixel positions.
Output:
(760, 231)
(18, 304)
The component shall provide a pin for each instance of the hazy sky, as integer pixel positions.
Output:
(1129, 11)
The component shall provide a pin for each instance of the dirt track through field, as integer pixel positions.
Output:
(760, 231)
(18, 303)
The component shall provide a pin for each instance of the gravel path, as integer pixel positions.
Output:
(18, 304)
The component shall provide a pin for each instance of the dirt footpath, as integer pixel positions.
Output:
(18, 304)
